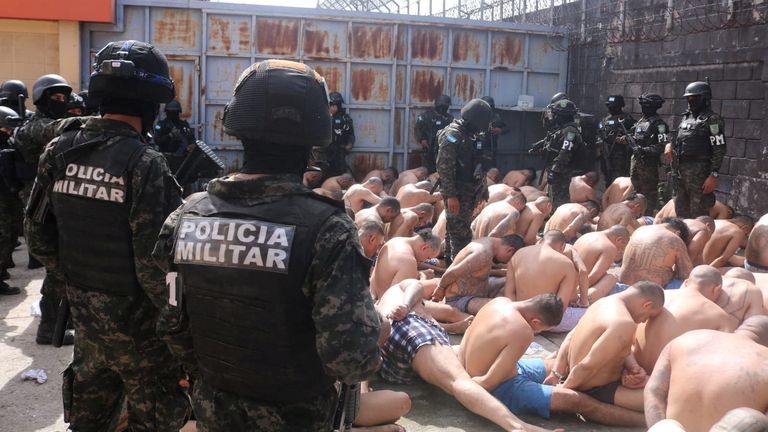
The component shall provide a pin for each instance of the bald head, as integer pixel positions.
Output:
(740, 273)
(742, 420)
(374, 181)
(424, 185)
(708, 221)
(756, 328)
(705, 279)
(554, 238)
(618, 232)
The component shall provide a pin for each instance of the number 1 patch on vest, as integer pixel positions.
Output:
(234, 243)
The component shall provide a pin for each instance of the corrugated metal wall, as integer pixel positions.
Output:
(389, 68)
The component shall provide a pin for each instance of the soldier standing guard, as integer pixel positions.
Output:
(269, 301)
(698, 153)
(98, 202)
(615, 154)
(560, 148)
(462, 174)
(428, 125)
(650, 136)
(343, 138)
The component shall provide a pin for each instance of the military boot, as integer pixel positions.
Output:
(33, 263)
(48, 313)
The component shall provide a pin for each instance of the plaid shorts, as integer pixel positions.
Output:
(406, 338)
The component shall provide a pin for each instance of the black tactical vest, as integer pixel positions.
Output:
(91, 199)
(693, 136)
(468, 152)
(242, 271)
(646, 134)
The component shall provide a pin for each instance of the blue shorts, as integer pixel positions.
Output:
(619, 287)
(755, 268)
(648, 220)
(459, 302)
(674, 284)
(525, 393)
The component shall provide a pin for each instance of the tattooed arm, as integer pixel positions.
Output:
(657, 389)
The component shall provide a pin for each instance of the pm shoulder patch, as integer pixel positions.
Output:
(570, 136)
(714, 128)
(234, 243)
(662, 128)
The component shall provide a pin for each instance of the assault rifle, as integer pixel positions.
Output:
(346, 407)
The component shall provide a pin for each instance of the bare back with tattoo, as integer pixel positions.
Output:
(656, 254)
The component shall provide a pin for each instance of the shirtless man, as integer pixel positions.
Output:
(730, 370)
(595, 357)
(623, 213)
(338, 183)
(466, 285)
(411, 195)
(740, 298)
(718, 211)
(399, 259)
(410, 176)
(692, 307)
(387, 175)
(728, 237)
(334, 195)
(371, 235)
(531, 193)
(699, 232)
(365, 195)
(582, 188)
(526, 278)
(492, 176)
(419, 346)
(491, 352)
(517, 178)
(384, 212)
(657, 253)
(617, 191)
(409, 220)
(571, 218)
(599, 250)
(532, 219)
(499, 192)
(757, 247)
(492, 216)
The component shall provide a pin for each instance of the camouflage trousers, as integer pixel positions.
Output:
(645, 179)
(458, 232)
(219, 411)
(666, 184)
(120, 364)
(559, 193)
(10, 220)
(429, 157)
(616, 164)
(690, 200)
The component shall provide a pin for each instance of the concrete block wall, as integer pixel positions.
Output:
(732, 59)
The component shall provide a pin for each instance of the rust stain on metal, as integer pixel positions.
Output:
(398, 128)
(426, 85)
(466, 47)
(401, 47)
(183, 90)
(218, 127)
(400, 84)
(371, 41)
(276, 36)
(333, 77)
(427, 44)
(316, 43)
(507, 49)
(465, 87)
(363, 163)
(244, 31)
(218, 32)
(370, 84)
(175, 27)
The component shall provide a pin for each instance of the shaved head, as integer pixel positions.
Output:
(424, 185)
(618, 232)
(705, 276)
(740, 273)
(374, 181)
(756, 327)
(742, 420)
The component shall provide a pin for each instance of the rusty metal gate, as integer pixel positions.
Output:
(388, 67)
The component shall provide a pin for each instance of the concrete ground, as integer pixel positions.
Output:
(26, 406)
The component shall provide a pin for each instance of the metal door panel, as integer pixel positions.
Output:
(228, 34)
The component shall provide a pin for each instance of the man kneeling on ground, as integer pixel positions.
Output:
(491, 353)
(418, 345)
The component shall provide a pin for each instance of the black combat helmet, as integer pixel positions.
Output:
(442, 103)
(131, 70)
(76, 102)
(489, 100)
(280, 102)
(614, 101)
(564, 108)
(558, 97)
(477, 114)
(652, 100)
(9, 118)
(699, 94)
(335, 98)
(11, 90)
(47, 84)
(173, 105)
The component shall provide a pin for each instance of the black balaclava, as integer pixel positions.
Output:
(173, 116)
(696, 103)
(614, 109)
(267, 158)
(53, 108)
(147, 111)
(648, 110)
(442, 109)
